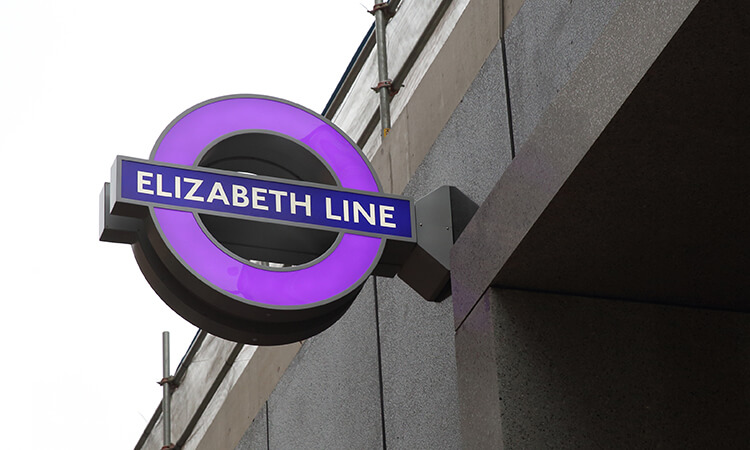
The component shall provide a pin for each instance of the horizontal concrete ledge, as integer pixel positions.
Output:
(635, 182)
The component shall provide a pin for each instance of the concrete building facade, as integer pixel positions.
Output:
(600, 294)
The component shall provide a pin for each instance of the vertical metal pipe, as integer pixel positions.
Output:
(383, 91)
(165, 403)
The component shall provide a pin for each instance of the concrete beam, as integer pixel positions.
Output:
(657, 209)
(634, 182)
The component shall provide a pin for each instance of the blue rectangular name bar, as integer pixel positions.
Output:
(238, 195)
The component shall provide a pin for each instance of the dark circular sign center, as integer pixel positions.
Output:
(254, 241)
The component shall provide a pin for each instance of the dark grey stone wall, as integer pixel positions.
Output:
(580, 372)
(477, 380)
(329, 396)
(417, 337)
(474, 147)
(256, 436)
(545, 42)
(540, 370)
(419, 369)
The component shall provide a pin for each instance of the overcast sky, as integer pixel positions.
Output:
(82, 82)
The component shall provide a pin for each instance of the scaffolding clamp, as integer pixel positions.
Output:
(385, 6)
(168, 380)
(386, 84)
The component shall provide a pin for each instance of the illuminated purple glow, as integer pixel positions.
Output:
(195, 131)
(341, 270)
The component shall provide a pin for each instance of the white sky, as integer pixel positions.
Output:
(84, 81)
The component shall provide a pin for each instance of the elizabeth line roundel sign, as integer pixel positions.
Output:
(254, 218)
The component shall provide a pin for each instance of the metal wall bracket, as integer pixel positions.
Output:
(441, 217)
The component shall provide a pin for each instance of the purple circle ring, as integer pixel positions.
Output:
(332, 276)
